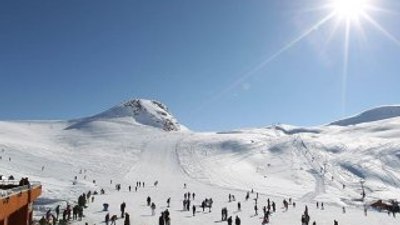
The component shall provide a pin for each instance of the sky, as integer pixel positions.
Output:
(217, 65)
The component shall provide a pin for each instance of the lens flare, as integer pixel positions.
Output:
(349, 9)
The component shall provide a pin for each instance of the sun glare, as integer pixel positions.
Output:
(351, 15)
(349, 9)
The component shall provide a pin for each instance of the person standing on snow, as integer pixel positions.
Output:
(107, 218)
(127, 219)
(229, 220)
(153, 208)
(122, 208)
(194, 210)
(168, 202)
(237, 221)
(148, 200)
(57, 211)
(188, 205)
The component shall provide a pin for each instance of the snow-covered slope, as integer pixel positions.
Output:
(137, 111)
(128, 143)
(380, 113)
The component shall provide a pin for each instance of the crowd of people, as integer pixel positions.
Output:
(75, 212)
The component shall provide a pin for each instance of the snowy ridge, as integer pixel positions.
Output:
(380, 113)
(139, 111)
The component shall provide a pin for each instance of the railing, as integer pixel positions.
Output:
(15, 187)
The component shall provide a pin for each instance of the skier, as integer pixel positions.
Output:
(225, 213)
(113, 220)
(168, 202)
(194, 210)
(237, 221)
(57, 211)
(239, 206)
(107, 218)
(303, 219)
(255, 210)
(188, 205)
(161, 219)
(122, 208)
(127, 219)
(285, 204)
(229, 220)
(148, 200)
(153, 208)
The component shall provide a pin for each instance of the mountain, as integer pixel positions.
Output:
(379, 113)
(136, 111)
(129, 143)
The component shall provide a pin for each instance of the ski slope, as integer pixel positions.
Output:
(278, 162)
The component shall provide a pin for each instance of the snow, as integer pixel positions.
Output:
(136, 111)
(379, 113)
(278, 162)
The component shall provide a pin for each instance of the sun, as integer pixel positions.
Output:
(349, 9)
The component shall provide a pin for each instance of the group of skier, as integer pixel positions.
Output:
(69, 213)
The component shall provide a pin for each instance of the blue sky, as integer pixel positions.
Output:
(69, 59)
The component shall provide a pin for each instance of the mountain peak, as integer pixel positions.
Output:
(144, 112)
